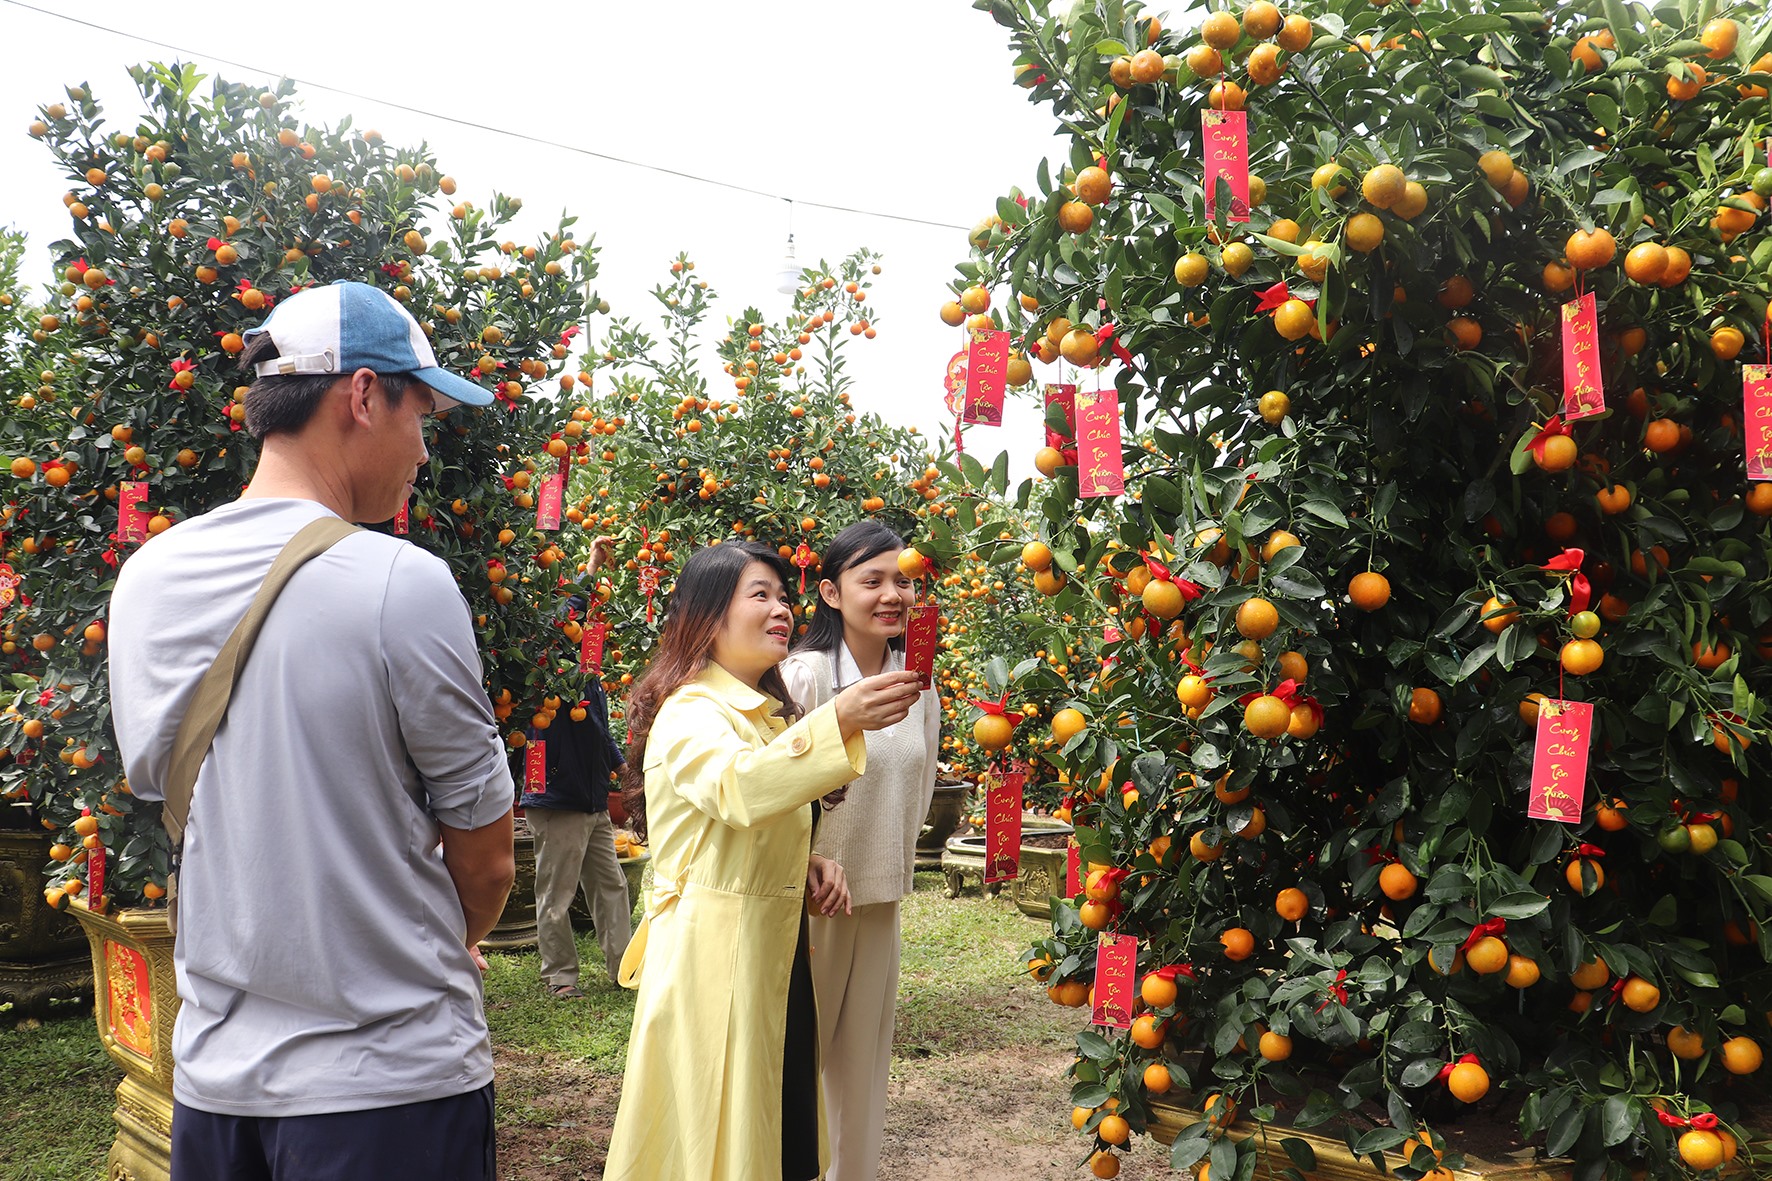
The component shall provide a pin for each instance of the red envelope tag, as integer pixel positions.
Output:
(1073, 872)
(1226, 135)
(132, 512)
(95, 876)
(403, 521)
(954, 382)
(921, 636)
(535, 767)
(1116, 970)
(590, 649)
(1002, 829)
(548, 506)
(9, 581)
(1582, 395)
(1756, 397)
(1065, 396)
(1559, 764)
(987, 368)
(1100, 463)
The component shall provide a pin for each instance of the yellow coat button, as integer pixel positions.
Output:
(798, 745)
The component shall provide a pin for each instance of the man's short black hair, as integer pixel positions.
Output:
(285, 402)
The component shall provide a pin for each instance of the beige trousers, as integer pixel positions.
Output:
(574, 849)
(855, 977)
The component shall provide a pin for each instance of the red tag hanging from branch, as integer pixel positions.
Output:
(1581, 592)
(649, 576)
(590, 647)
(804, 557)
(9, 580)
(1226, 136)
(1073, 870)
(987, 368)
(1116, 972)
(1065, 396)
(132, 512)
(1559, 761)
(1756, 415)
(535, 767)
(548, 506)
(1002, 828)
(1583, 395)
(922, 634)
(95, 875)
(955, 384)
(403, 521)
(1100, 461)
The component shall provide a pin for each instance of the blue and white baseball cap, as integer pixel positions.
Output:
(350, 326)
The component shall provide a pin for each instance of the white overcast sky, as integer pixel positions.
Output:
(904, 106)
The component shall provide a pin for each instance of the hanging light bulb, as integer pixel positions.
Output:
(787, 280)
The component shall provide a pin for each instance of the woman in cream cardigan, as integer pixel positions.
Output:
(858, 632)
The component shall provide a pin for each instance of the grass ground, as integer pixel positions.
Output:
(977, 1046)
(55, 1100)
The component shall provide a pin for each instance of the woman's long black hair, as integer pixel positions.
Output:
(697, 608)
(856, 544)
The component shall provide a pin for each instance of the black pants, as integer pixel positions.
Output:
(438, 1140)
(799, 1072)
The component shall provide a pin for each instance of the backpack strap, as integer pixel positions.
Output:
(196, 732)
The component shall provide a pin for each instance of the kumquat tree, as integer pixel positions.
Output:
(1448, 438)
(780, 457)
(185, 231)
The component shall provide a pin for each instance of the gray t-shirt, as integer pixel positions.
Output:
(321, 961)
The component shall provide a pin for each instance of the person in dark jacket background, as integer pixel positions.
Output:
(575, 840)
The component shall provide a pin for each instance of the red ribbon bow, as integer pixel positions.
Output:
(1556, 426)
(1173, 970)
(1483, 931)
(1337, 992)
(1446, 1070)
(1705, 1122)
(1287, 691)
(1375, 855)
(1189, 590)
(1269, 298)
(179, 366)
(1586, 850)
(1581, 592)
(998, 708)
(1106, 335)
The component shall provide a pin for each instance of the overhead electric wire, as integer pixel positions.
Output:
(469, 123)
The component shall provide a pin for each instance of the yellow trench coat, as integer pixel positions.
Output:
(728, 785)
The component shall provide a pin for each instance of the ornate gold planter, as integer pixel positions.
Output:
(135, 1002)
(1041, 871)
(946, 808)
(1335, 1162)
(43, 956)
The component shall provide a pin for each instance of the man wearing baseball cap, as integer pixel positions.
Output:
(347, 840)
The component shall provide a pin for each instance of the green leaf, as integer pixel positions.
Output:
(1522, 905)
(1323, 510)
(1618, 1120)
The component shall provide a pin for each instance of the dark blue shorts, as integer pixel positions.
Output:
(439, 1140)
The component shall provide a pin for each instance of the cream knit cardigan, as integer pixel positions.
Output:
(873, 833)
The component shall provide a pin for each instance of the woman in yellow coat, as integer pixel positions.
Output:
(722, 1074)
